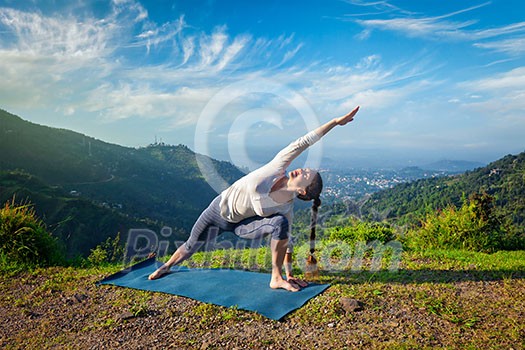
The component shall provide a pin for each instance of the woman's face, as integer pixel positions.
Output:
(301, 178)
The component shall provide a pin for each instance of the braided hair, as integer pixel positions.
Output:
(313, 192)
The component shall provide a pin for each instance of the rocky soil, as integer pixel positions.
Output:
(63, 308)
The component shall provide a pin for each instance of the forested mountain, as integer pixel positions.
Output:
(87, 190)
(78, 223)
(503, 179)
(158, 185)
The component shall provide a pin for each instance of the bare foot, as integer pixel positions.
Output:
(159, 272)
(284, 285)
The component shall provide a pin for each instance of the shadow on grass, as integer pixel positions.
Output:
(405, 276)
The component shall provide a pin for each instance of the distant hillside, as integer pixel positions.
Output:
(160, 184)
(457, 166)
(504, 179)
(78, 223)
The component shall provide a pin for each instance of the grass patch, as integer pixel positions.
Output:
(448, 298)
(23, 237)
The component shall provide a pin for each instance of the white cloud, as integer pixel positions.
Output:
(439, 27)
(232, 51)
(155, 36)
(375, 99)
(495, 32)
(291, 53)
(78, 65)
(63, 38)
(126, 101)
(370, 61)
(212, 45)
(381, 7)
(129, 8)
(511, 80)
(363, 35)
(503, 98)
(60, 59)
(188, 48)
(417, 27)
(513, 47)
(45, 58)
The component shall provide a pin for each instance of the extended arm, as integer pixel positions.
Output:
(283, 159)
(343, 120)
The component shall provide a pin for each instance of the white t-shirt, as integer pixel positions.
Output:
(250, 195)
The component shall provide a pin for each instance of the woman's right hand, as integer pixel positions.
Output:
(347, 118)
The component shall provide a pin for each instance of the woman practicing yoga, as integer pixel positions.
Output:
(261, 204)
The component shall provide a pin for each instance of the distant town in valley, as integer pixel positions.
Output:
(358, 183)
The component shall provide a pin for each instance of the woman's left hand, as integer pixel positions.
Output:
(297, 281)
(347, 118)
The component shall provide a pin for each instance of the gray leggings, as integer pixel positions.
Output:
(255, 227)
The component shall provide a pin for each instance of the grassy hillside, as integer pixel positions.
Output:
(78, 223)
(503, 179)
(160, 184)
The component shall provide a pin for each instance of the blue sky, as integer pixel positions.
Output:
(240, 79)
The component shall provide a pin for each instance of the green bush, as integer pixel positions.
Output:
(109, 251)
(471, 227)
(361, 231)
(23, 237)
(98, 256)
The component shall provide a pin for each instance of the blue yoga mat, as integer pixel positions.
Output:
(244, 289)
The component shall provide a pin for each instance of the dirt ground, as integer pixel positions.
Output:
(63, 308)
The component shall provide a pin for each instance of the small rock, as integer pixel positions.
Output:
(30, 314)
(126, 316)
(351, 305)
(80, 297)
